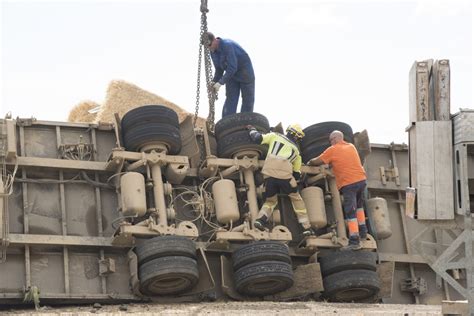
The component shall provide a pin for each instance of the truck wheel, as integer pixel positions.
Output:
(239, 121)
(263, 278)
(150, 132)
(313, 150)
(168, 275)
(150, 114)
(348, 260)
(319, 133)
(232, 143)
(163, 246)
(351, 285)
(260, 251)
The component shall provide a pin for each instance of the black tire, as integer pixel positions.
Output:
(239, 121)
(260, 251)
(319, 133)
(168, 275)
(163, 246)
(351, 285)
(263, 278)
(231, 144)
(348, 260)
(312, 151)
(150, 114)
(140, 135)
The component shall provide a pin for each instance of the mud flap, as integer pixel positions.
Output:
(301, 287)
(385, 271)
(362, 143)
(206, 284)
(227, 278)
(133, 266)
(278, 128)
(189, 145)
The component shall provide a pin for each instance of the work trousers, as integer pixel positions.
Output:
(274, 186)
(233, 89)
(354, 209)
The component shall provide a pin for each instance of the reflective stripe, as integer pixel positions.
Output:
(293, 155)
(353, 227)
(277, 146)
(282, 147)
(268, 206)
(360, 216)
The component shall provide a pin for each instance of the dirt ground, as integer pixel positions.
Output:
(235, 308)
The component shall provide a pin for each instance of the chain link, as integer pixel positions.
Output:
(211, 93)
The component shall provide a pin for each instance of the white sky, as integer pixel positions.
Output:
(314, 60)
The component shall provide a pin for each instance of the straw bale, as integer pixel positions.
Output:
(123, 96)
(80, 112)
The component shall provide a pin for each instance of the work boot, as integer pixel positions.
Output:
(260, 223)
(363, 232)
(308, 232)
(354, 244)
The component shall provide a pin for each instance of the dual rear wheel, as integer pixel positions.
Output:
(167, 265)
(150, 125)
(350, 276)
(262, 268)
(233, 137)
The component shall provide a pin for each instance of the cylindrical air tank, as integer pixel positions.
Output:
(132, 186)
(225, 201)
(378, 208)
(314, 200)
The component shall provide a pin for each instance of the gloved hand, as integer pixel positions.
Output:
(250, 127)
(293, 182)
(216, 86)
(295, 179)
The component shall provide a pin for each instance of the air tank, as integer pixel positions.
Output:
(225, 201)
(314, 200)
(378, 208)
(132, 186)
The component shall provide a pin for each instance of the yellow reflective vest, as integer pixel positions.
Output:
(283, 157)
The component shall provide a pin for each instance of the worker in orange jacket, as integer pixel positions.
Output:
(351, 182)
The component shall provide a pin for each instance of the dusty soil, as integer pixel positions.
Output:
(235, 308)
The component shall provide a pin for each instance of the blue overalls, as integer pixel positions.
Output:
(234, 70)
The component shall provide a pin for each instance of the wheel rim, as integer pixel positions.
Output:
(266, 286)
(353, 294)
(168, 284)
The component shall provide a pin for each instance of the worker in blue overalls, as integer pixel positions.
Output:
(234, 70)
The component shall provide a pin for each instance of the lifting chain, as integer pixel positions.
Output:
(211, 94)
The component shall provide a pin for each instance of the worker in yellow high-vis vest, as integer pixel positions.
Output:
(281, 171)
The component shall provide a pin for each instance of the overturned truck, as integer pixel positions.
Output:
(150, 209)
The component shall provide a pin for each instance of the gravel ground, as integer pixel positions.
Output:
(235, 308)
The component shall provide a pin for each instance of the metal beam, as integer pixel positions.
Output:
(88, 296)
(401, 257)
(152, 157)
(58, 163)
(32, 239)
(389, 186)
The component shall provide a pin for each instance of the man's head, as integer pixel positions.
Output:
(336, 137)
(209, 40)
(295, 132)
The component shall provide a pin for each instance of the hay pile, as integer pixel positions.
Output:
(123, 96)
(80, 113)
